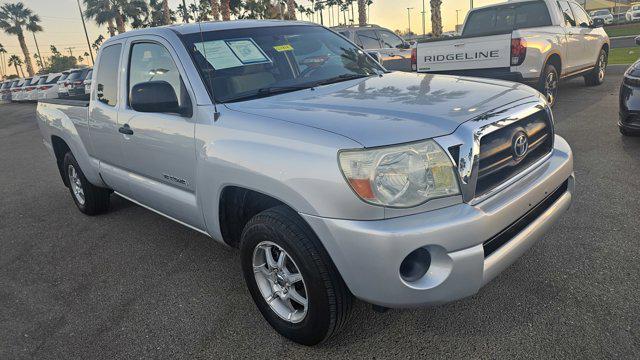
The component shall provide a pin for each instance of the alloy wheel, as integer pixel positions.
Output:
(76, 184)
(280, 282)
(551, 87)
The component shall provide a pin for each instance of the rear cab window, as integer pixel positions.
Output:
(106, 91)
(506, 18)
(569, 19)
(582, 19)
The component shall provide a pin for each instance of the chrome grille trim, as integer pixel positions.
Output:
(468, 135)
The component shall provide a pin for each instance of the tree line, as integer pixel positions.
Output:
(16, 19)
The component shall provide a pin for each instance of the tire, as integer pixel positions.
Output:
(328, 299)
(596, 76)
(629, 133)
(548, 84)
(90, 199)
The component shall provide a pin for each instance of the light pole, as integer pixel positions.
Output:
(424, 32)
(409, 18)
(85, 32)
(470, 4)
(457, 21)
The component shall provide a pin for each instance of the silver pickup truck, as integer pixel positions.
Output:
(335, 178)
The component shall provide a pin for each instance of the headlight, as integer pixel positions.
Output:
(633, 70)
(400, 176)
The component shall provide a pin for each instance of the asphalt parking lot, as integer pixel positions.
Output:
(132, 284)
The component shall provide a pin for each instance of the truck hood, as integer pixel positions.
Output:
(389, 109)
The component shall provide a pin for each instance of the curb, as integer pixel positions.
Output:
(623, 37)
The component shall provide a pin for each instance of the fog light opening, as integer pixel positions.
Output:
(415, 265)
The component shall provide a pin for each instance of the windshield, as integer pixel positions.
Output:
(63, 76)
(600, 12)
(75, 75)
(245, 63)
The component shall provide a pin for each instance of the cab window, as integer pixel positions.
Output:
(369, 39)
(582, 19)
(390, 40)
(153, 62)
(569, 20)
(107, 76)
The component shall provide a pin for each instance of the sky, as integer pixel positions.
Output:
(63, 27)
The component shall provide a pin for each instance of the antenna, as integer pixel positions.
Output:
(216, 114)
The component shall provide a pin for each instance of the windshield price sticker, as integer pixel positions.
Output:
(247, 51)
(218, 54)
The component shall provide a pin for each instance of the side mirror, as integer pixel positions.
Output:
(376, 56)
(156, 97)
(597, 23)
(404, 46)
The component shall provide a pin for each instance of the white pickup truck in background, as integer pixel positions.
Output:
(535, 42)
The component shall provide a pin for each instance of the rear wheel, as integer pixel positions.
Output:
(596, 76)
(548, 84)
(291, 278)
(89, 199)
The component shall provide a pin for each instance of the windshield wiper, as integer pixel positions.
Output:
(268, 91)
(339, 78)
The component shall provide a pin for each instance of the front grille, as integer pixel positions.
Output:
(498, 163)
(512, 230)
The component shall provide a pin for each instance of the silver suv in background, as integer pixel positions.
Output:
(393, 51)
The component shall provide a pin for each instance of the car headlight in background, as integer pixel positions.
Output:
(400, 176)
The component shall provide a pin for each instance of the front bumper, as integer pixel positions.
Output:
(368, 254)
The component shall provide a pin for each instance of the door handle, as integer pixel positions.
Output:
(458, 44)
(125, 129)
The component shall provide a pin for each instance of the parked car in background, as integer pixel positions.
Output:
(633, 13)
(534, 42)
(333, 177)
(48, 86)
(394, 53)
(15, 89)
(629, 113)
(604, 14)
(62, 87)
(5, 90)
(31, 91)
(21, 94)
(87, 82)
(75, 82)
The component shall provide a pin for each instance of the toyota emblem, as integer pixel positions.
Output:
(520, 145)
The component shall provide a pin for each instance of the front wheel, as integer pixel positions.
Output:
(596, 76)
(291, 278)
(548, 84)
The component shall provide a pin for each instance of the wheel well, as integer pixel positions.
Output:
(60, 148)
(555, 60)
(237, 206)
(606, 48)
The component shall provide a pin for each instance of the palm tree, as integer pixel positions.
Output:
(362, 12)
(118, 11)
(14, 60)
(102, 13)
(34, 27)
(2, 52)
(436, 17)
(13, 19)
(215, 10)
(166, 12)
(225, 9)
(291, 9)
(183, 10)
